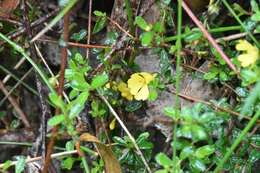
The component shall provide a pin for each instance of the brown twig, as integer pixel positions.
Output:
(193, 99)
(76, 44)
(89, 26)
(209, 37)
(64, 55)
(15, 105)
(121, 28)
(34, 24)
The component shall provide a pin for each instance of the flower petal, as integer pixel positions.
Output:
(245, 60)
(143, 93)
(135, 83)
(243, 45)
(147, 76)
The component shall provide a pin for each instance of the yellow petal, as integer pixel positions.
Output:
(247, 59)
(135, 83)
(108, 86)
(125, 91)
(243, 45)
(121, 86)
(112, 124)
(143, 93)
(147, 76)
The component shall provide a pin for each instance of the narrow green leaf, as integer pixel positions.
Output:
(142, 23)
(20, 165)
(57, 119)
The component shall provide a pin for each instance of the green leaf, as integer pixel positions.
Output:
(163, 160)
(165, 64)
(186, 152)
(152, 94)
(80, 35)
(223, 76)
(158, 27)
(77, 105)
(20, 165)
(100, 23)
(99, 13)
(162, 171)
(210, 75)
(70, 145)
(68, 163)
(187, 114)
(133, 106)
(7, 164)
(73, 93)
(142, 23)
(249, 77)
(142, 141)
(119, 140)
(56, 100)
(99, 81)
(57, 119)
(204, 151)
(206, 117)
(193, 36)
(171, 112)
(147, 38)
(197, 165)
(198, 132)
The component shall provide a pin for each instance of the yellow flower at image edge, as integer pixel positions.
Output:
(250, 54)
(138, 85)
(125, 91)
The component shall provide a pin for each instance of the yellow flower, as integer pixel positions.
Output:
(138, 85)
(125, 91)
(112, 124)
(250, 54)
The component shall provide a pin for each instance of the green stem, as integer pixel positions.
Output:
(130, 19)
(22, 51)
(178, 72)
(237, 142)
(214, 30)
(241, 23)
(85, 165)
(66, 9)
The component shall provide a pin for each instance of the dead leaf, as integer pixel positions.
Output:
(111, 163)
(7, 7)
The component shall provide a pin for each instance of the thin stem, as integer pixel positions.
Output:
(56, 155)
(67, 8)
(241, 23)
(22, 51)
(63, 63)
(178, 72)
(127, 132)
(213, 30)
(129, 13)
(89, 26)
(211, 40)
